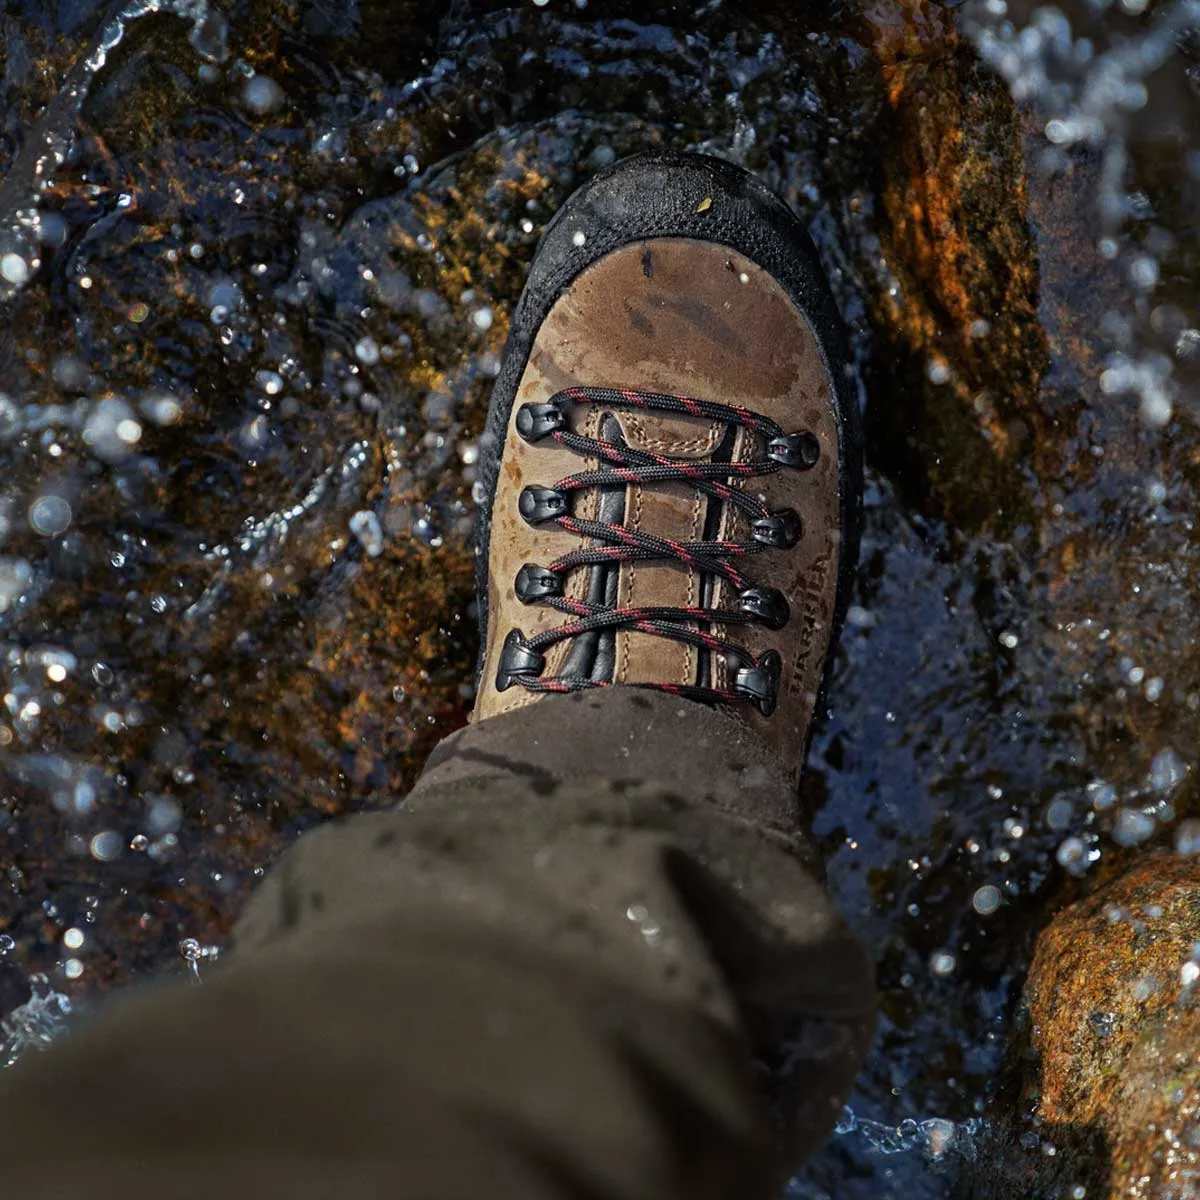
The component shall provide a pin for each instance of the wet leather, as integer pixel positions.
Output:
(689, 317)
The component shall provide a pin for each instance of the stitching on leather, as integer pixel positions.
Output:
(578, 586)
(690, 653)
(663, 445)
(627, 637)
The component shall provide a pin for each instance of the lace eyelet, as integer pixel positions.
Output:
(760, 683)
(538, 505)
(534, 583)
(799, 450)
(766, 605)
(780, 530)
(538, 421)
(518, 660)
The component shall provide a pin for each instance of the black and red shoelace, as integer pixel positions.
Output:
(752, 680)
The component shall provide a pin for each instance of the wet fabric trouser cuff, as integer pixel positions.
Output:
(585, 959)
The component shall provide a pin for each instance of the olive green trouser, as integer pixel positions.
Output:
(586, 959)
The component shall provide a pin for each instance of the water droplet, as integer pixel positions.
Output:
(1187, 838)
(111, 430)
(70, 372)
(986, 900)
(164, 816)
(1156, 410)
(14, 269)
(1101, 795)
(271, 382)
(1167, 770)
(1145, 987)
(1132, 827)
(262, 95)
(106, 846)
(1072, 855)
(942, 963)
(161, 407)
(129, 431)
(50, 515)
(1058, 813)
(52, 229)
(366, 528)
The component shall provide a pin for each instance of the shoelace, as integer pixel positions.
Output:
(753, 680)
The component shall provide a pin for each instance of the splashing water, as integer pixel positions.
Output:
(935, 1137)
(272, 561)
(1089, 98)
(39, 1022)
(51, 141)
(193, 952)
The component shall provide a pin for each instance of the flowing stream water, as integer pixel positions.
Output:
(257, 259)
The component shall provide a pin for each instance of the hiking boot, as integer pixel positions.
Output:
(672, 460)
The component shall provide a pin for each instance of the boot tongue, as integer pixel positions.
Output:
(673, 511)
(676, 512)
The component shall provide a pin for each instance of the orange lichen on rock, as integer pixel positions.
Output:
(962, 317)
(1108, 1066)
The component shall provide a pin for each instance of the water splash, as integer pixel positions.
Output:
(261, 538)
(1086, 97)
(193, 952)
(38, 1023)
(935, 1137)
(51, 140)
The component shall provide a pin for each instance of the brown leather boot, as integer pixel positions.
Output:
(672, 462)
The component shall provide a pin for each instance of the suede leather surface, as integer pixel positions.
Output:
(680, 273)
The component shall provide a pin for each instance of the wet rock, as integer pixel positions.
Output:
(1106, 1078)
(322, 296)
(961, 340)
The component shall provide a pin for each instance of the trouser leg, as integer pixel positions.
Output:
(587, 958)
